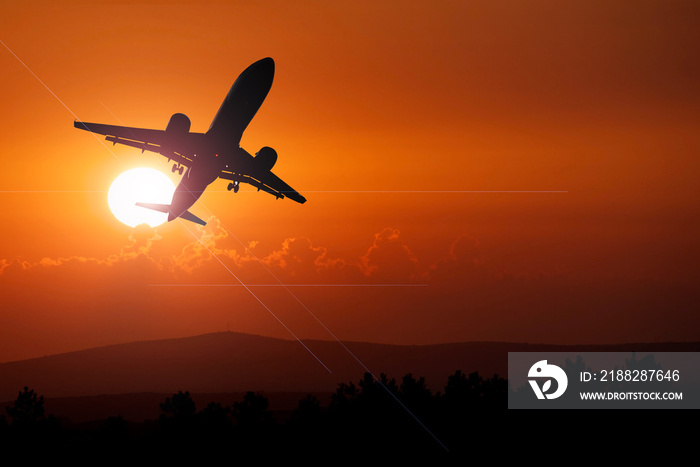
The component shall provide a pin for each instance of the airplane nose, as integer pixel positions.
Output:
(266, 65)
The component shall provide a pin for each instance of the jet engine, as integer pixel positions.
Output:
(175, 137)
(265, 158)
(179, 123)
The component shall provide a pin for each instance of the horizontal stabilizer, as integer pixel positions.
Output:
(192, 218)
(166, 209)
(155, 207)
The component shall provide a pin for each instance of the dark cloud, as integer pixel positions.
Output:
(464, 264)
(137, 250)
(299, 260)
(389, 259)
(199, 252)
(70, 303)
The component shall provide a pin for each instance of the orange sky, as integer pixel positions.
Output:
(599, 99)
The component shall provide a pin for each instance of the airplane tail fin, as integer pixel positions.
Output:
(166, 209)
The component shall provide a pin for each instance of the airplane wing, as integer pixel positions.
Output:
(140, 138)
(268, 182)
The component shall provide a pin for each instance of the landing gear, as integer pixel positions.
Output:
(177, 168)
(234, 186)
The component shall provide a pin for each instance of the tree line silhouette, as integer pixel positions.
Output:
(377, 416)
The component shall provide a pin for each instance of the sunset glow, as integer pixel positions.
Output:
(533, 166)
(139, 185)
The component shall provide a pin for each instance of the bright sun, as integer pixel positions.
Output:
(140, 185)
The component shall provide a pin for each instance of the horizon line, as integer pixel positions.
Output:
(500, 342)
(288, 285)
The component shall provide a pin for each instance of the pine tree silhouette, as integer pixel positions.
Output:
(28, 409)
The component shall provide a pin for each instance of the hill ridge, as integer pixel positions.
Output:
(234, 362)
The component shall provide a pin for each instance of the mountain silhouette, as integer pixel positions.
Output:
(231, 362)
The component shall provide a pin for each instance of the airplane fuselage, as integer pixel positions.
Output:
(214, 154)
(193, 183)
(205, 169)
(217, 150)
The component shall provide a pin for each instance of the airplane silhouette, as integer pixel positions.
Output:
(214, 154)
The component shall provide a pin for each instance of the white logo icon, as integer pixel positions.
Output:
(542, 370)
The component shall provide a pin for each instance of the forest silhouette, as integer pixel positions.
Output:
(401, 419)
